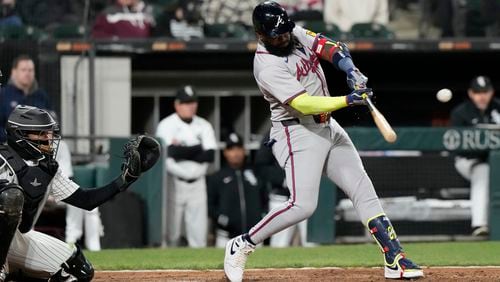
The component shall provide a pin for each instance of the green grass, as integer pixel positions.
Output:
(426, 254)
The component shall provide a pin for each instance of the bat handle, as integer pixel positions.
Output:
(369, 103)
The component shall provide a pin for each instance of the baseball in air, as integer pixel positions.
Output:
(444, 95)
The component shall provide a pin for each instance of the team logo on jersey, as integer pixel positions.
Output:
(35, 183)
(304, 66)
(279, 21)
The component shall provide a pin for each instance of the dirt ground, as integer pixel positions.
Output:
(303, 274)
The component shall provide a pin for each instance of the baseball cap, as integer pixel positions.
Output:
(481, 84)
(186, 94)
(234, 140)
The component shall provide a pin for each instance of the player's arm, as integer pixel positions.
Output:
(338, 54)
(311, 105)
(141, 153)
(91, 198)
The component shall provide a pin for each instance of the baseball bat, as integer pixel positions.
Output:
(383, 126)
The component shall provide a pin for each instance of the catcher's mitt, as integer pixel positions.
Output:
(141, 153)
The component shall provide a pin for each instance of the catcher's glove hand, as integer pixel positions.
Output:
(140, 153)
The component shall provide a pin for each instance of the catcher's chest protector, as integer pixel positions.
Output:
(34, 182)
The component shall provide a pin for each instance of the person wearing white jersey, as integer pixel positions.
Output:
(306, 141)
(191, 145)
(77, 218)
(29, 174)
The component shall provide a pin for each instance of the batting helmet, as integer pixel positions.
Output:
(270, 19)
(25, 120)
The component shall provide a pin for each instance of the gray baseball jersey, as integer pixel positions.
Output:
(307, 149)
(35, 253)
(281, 79)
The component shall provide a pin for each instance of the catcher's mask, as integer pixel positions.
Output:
(32, 133)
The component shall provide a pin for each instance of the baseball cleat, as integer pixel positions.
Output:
(402, 268)
(237, 251)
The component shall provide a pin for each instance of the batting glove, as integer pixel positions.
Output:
(355, 79)
(358, 97)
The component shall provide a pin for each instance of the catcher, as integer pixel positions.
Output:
(29, 173)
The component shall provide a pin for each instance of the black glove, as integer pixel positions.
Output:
(358, 97)
(140, 153)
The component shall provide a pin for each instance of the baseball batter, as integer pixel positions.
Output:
(307, 141)
(29, 173)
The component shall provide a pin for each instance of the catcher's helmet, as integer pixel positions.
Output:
(25, 120)
(270, 19)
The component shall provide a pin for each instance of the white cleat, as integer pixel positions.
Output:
(402, 268)
(237, 251)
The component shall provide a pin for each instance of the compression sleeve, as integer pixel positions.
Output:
(179, 152)
(90, 198)
(311, 105)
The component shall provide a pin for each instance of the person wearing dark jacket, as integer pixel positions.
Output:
(236, 198)
(21, 89)
(482, 108)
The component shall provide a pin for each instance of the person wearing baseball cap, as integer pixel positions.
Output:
(186, 94)
(481, 109)
(237, 199)
(191, 146)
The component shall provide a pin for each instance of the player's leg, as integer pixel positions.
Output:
(221, 238)
(477, 173)
(302, 152)
(93, 230)
(74, 224)
(175, 213)
(344, 167)
(11, 206)
(479, 196)
(196, 215)
(283, 238)
(37, 255)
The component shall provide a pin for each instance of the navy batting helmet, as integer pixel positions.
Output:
(270, 19)
(25, 120)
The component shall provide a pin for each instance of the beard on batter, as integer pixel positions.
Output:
(283, 51)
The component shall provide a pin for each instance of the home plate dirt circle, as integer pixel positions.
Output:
(467, 273)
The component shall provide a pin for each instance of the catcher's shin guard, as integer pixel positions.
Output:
(396, 264)
(11, 209)
(76, 267)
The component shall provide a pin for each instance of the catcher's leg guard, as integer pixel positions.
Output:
(77, 266)
(396, 264)
(11, 209)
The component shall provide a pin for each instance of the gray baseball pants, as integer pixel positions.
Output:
(307, 151)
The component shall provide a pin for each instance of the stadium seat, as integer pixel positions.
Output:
(21, 33)
(226, 31)
(13, 32)
(65, 31)
(328, 29)
(371, 30)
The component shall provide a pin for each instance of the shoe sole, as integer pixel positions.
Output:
(397, 274)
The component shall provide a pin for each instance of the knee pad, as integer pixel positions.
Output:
(78, 266)
(11, 208)
(11, 200)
